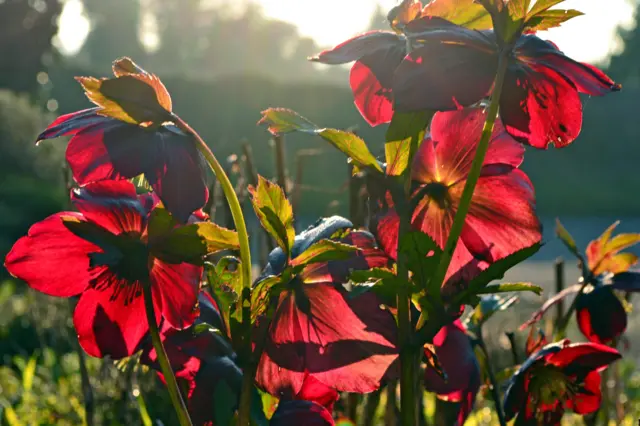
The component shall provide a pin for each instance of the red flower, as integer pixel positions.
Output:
(200, 361)
(455, 354)
(319, 329)
(111, 142)
(306, 413)
(102, 254)
(561, 376)
(501, 218)
(455, 67)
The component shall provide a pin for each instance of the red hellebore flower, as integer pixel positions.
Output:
(455, 354)
(453, 67)
(200, 361)
(131, 133)
(344, 340)
(311, 406)
(102, 254)
(501, 218)
(561, 376)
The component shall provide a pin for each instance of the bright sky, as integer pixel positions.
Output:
(586, 38)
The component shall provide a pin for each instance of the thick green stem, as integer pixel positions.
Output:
(244, 302)
(163, 360)
(495, 394)
(474, 174)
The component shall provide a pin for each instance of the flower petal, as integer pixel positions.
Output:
(301, 413)
(588, 400)
(581, 358)
(178, 285)
(361, 45)
(453, 68)
(70, 124)
(539, 107)
(51, 258)
(316, 391)
(108, 326)
(600, 315)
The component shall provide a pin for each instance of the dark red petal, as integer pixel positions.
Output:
(347, 342)
(178, 286)
(577, 358)
(176, 174)
(361, 45)
(316, 391)
(454, 68)
(301, 413)
(52, 259)
(111, 204)
(540, 107)
(386, 229)
(600, 315)
(588, 400)
(70, 124)
(111, 327)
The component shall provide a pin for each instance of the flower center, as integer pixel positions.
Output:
(550, 386)
(436, 191)
(127, 258)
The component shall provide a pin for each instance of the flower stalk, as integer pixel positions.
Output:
(163, 359)
(495, 394)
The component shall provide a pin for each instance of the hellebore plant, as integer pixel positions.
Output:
(463, 85)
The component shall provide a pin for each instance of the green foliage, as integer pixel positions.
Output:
(324, 251)
(274, 212)
(404, 136)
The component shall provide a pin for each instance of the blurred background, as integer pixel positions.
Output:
(223, 62)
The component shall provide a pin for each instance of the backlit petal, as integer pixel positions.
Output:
(600, 315)
(178, 285)
(301, 413)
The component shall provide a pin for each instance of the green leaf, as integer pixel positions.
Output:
(550, 19)
(282, 120)
(541, 6)
(386, 289)
(567, 239)
(161, 222)
(466, 13)
(274, 212)
(403, 138)
(324, 251)
(375, 274)
(204, 327)
(268, 404)
(423, 256)
(141, 184)
(487, 307)
(509, 287)
(225, 283)
(261, 295)
(495, 271)
(191, 243)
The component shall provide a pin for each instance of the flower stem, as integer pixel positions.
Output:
(474, 174)
(563, 322)
(244, 302)
(492, 379)
(163, 360)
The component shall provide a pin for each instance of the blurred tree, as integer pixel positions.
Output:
(26, 30)
(624, 66)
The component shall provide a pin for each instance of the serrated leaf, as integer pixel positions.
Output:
(466, 13)
(550, 19)
(567, 239)
(542, 5)
(495, 271)
(282, 120)
(324, 251)
(191, 243)
(274, 212)
(260, 296)
(404, 136)
(225, 282)
(423, 255)
(509, 287)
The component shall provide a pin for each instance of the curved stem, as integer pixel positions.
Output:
(163, 360)
(244, 302)
(474, 175)
(494, 383)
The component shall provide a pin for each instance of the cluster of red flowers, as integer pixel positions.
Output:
(124, 253)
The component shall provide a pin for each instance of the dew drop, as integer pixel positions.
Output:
(321, 350)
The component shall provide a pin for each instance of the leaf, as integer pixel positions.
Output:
(542, 5)
(423, 256)
(225, 400)
(375, 274)
(29, 373)
(191, 243)
(324, 251)
(282, 120)
(260, 296)
(509, 287)
(404, 136)
(269, 403)
(142, 184)
(487, 307)
(225, 282)
(550, 19)
(404, 13)
(621, 242)
(567, 239)
(274, 212)
(466, 13)
(495, 271)
(263, 405)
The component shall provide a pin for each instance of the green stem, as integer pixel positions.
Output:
(163, 360)
(244, 301)
(474, 175)
(495, 394)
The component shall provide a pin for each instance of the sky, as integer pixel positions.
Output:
(589, 38)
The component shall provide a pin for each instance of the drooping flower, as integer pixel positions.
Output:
(501, 218)
(462, 382)
(301, 413)
(201, 361)
(105, 254)
(343, 340)
(561, 376)
(132, 132)
(455, 67)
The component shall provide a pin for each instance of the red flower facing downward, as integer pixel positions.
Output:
(131, 133)
(501, 218)
(318, 329)
(102, 254)
(561, 376)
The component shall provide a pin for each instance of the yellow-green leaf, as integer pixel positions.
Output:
(550, 19)
(324, 251)
(404, 136)
(567, 239)
(191, 243)
(509, 287)
(466, 13)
